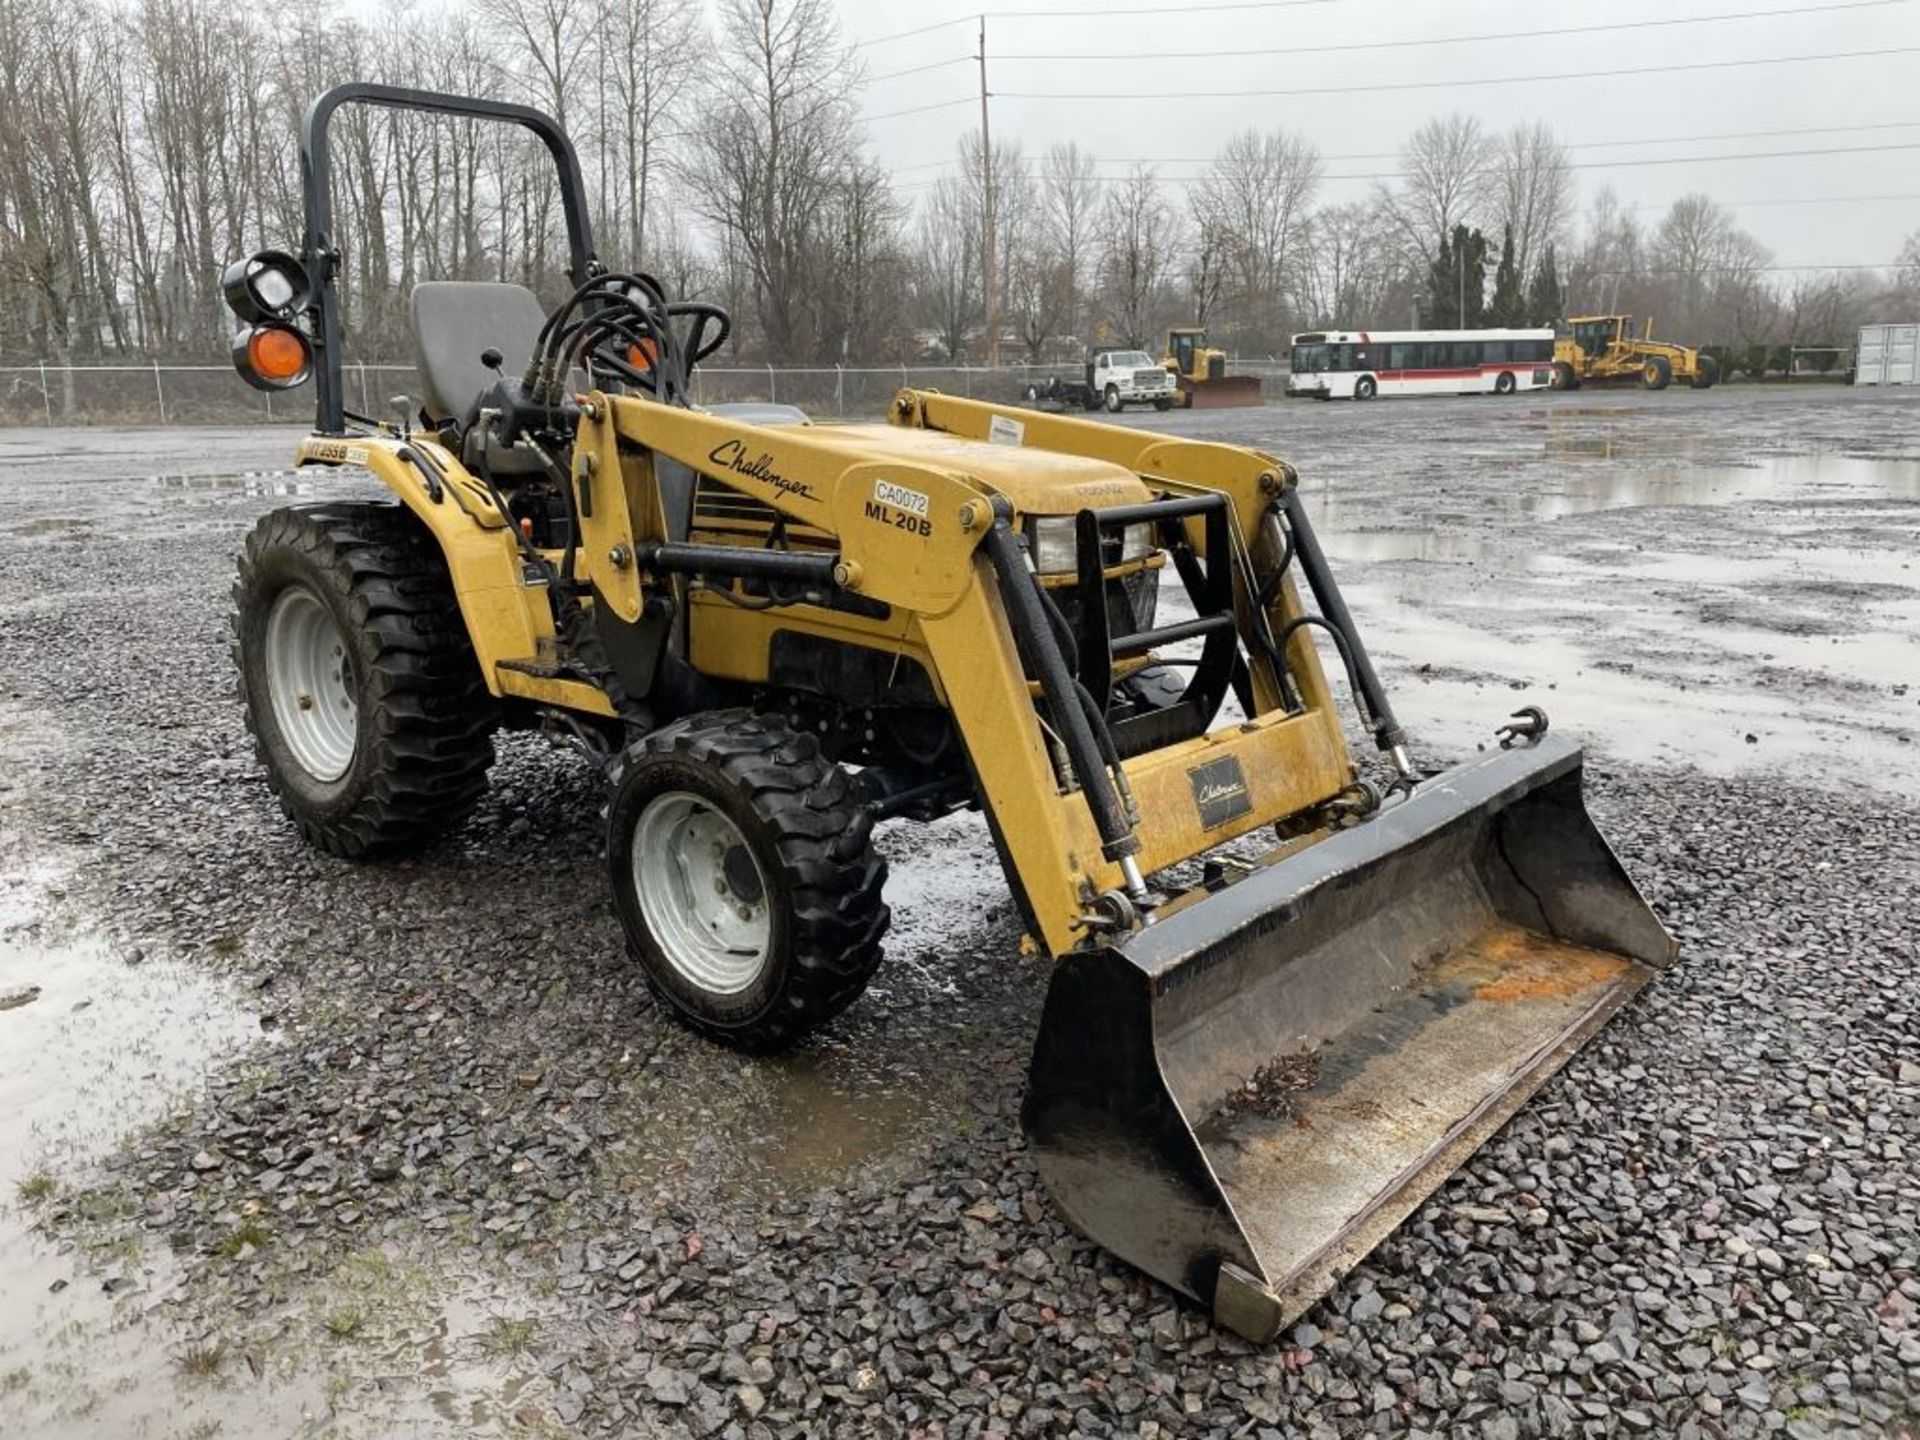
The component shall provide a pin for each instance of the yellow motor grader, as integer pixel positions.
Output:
(1590, 348)
(1285, 1003)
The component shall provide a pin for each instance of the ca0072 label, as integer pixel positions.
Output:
(900, 507)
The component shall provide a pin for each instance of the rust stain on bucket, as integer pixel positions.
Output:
(1507, 963)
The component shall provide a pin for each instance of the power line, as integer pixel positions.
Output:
(1566, 145)
(1354, 45)
(1139, 95)
(921, 69)
(923, 109)
(1571, 165)
(1150, 11)
(1797, 200)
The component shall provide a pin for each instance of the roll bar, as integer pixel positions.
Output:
(321, 256)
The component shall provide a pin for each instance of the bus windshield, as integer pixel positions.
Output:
(1319, 359)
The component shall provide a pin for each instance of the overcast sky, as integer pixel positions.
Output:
(1270, 47)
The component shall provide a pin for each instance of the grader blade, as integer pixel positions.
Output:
(1250, 1093)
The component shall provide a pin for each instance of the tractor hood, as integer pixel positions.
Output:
(1038, 482)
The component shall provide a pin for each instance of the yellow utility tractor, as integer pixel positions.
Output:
(1201, 374)
(1286, 1002)
(1604, 347)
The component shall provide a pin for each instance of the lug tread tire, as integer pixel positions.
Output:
(832, 880)
(424, 708)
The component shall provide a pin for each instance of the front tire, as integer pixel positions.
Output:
(359, 683)
(1565, 377)
(1706, 373)
(1658, 374)
(1114, 403)
(745, 877)
(1163, 404)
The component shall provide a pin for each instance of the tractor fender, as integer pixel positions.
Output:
(506, 614)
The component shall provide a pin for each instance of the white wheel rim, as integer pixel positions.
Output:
(701, 892)
(311, 685)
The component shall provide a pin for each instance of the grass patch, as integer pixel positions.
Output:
(344, 1322)
(505, 1338)
(248, 1232)
(36, 1187)
(202, 1362)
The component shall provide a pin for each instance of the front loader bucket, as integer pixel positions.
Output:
(1250, 1093)
(1225, 392)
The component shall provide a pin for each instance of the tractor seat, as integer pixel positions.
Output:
(453, 321)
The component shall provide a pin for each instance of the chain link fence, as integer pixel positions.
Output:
(152, 393)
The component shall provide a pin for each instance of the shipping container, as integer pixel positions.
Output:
(1888, 355)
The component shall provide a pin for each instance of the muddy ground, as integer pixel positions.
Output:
(290, 1146)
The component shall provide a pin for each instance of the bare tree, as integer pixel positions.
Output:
(1069, 201)
(1350, 268)
(650, 48)
(1448, 166)
(1533, 190)
(1253, 201)
(776, 139)
(1017, 232)
(550, 34)
(1706, 268)
(1136, 245)
(948, 273)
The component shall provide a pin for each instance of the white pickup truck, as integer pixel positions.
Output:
(1114, 379)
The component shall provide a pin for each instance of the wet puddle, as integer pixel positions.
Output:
(266, 483)
(91, 1048)
(1775, 478)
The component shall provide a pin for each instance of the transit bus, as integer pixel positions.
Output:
(1360, 364)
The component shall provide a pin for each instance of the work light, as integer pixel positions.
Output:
(272, 356)
(269, 285)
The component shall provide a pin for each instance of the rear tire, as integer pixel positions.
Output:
(1505, 384)
(745, 877)
(1364, 388)
(359, 683)
(1565, 377)
(1706, 373)
(1658, 374)
(1113, 401)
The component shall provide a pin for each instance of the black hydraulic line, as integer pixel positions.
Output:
(1387, 733)
(1020, 592)
(739, 563)
(1270, 587)
(1346, 657)
(1171, 634)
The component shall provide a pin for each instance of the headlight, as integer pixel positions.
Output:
(1056, 550)
(1054, 540)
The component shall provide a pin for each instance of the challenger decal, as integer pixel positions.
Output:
(1220, 791)
(732, 455)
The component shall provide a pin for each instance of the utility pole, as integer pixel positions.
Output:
(1460, 269)
(986, 206)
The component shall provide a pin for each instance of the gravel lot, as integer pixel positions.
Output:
(290, 1146)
